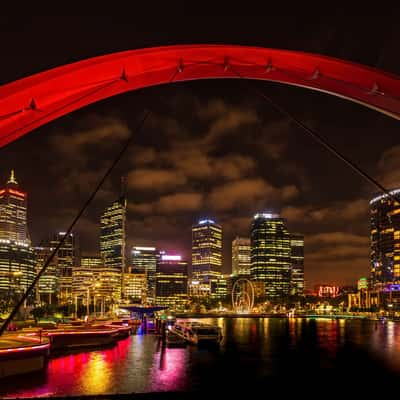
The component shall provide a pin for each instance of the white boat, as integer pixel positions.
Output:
(198, 333)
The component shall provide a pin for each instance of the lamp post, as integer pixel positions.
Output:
(87, 302)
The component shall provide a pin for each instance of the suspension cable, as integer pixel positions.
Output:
(317, 137)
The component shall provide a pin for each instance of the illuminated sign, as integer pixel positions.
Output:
(362, 283)
(266, 215)
(16, 192)
(392, 288)
(167, 257)
(206, 221)
(383, 196)
(145, 248)
(328, 291)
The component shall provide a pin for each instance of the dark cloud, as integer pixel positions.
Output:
(389, 167)
(155, 180)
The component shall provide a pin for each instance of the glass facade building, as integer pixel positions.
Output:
(297, 264)
(206, 250)
(135, 287)
(91, 261)
(241, 261)
(48, 287)
(171, 281)
(13, 212)
(270, 254)
(385, 239)
(67, 259)
(113, 235)
(17, 267)
(17, 263)
(144, 261)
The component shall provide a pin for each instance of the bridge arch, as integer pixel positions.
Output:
(35, 100)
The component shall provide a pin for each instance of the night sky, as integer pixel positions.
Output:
(211, 148)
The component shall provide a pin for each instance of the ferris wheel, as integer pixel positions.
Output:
(242, 296)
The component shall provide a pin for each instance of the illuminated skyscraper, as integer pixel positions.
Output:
(113, 235)
(13, 212)
(67, 259)
(91, 261)
(135, 290)
(171, 281)
(48, 286)
(241, 256)
(297, 264)
(385, 239)
(270, 254)
(206, 250)
(144, 261)
(17, 265)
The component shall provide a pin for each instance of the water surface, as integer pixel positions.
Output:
(254, 353)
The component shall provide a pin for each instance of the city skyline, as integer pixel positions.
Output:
(130, 263)
(238, 143)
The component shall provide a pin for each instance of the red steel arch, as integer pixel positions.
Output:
(35, 100)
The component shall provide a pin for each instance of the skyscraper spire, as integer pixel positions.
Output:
(12, 178)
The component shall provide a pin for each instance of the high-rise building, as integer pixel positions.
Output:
(113, 235)
(270, 254)
(296, 264)
(144, 261)
(135, 289)
(241, 261)
(13, 212)
(17, 265)
(83, 281)
(219, 287)
(47, 288)
(67, 259)
(206, 250)
(171, 281)
(108, 284)
(385, 239)
(91, 261)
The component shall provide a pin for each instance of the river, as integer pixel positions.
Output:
(253, 352)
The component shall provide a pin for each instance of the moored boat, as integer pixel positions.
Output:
(20, 354)
(198, 333)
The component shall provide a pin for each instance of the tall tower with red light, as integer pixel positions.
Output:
(13, 212)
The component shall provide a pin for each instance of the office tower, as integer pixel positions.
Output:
(270, 254)
(197, 289)
(67, 259)
(219, 287)
(206, 250)
(47, 288)
(13, 212)
(296, 264)
(17, 268)
(171, 281)
(113, 235)
(135, 287)
(17, 265)
(91, 261)
(83, 282)
(144, 261)
(385, 239)
(241, 256)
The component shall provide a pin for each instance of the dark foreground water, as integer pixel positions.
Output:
(254, 354)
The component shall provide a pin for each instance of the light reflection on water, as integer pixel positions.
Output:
(252, 351)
